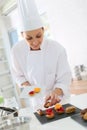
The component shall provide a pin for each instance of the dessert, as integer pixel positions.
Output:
(84, 114)
(70, 109)
(40, 112)
(49, 113)
(47, 104)
(31, 93)
(37, 90)
(59, 108)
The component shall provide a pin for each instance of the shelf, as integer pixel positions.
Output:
(3, 61)
(5, 72)
(1, 47)
(8, 91)
(0, 38)
(10, 86)
(6, 79)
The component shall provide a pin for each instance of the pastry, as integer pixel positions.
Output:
(40, 112)
(59, 108)
(84, 114)
(49, 113)
(37, 90)
(31, 93)
(70, 109)
(50, 116)
(47, 104)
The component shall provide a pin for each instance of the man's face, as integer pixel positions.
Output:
(34, 38)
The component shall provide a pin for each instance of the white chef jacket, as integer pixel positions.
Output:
(46, 67)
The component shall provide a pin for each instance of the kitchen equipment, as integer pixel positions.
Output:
(7, 113)
(16, 123)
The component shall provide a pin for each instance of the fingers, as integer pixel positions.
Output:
(47, 98)
(53, 98)
(25, 84)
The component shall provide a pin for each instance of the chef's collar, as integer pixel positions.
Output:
(34, 50)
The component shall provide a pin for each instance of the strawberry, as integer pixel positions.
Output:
(31, 92)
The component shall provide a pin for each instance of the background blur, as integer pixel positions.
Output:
(64, 20)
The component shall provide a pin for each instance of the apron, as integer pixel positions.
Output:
(35, 71)
(40, 69)
(39, 75)
(35, 67)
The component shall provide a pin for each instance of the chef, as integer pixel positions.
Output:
(37, 60)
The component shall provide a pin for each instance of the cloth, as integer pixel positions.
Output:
(46, 67)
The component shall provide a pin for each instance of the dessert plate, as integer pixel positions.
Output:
(26, 90)
(79, 120)
(35, 101)
(43, 119)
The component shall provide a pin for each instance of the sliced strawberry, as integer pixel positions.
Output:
(49, 111)
(31, 92)
(61, 109)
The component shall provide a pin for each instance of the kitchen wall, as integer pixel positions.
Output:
(68, 25)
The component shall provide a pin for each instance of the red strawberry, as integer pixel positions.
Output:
(49, 111)
(31, 92)
(60, 111)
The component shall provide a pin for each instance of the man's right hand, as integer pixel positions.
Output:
(26, 84)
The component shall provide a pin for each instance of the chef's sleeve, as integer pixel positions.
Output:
(63, 74)
(16, 70)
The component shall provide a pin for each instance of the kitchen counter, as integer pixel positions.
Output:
(62, 124)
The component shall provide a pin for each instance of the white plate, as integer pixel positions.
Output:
(36, 101)
(26, 90)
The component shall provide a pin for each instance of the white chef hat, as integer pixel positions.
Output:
(29, 15)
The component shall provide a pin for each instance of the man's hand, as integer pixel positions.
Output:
(54, 96)
(25, 84)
